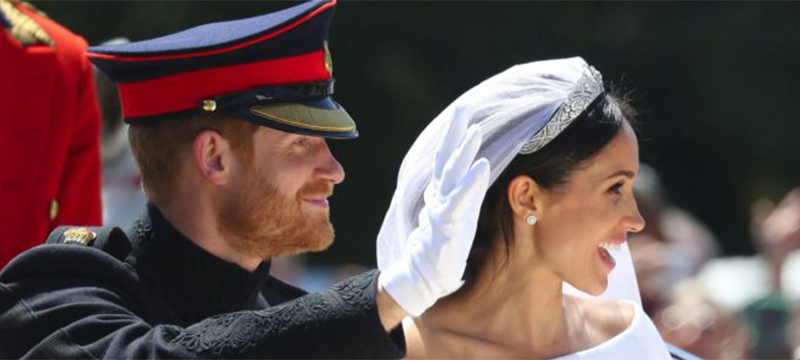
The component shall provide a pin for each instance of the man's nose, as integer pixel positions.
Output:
(329, 168)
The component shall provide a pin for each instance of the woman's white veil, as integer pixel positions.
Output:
(519, 111)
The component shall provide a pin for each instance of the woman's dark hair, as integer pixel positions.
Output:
(551, 166)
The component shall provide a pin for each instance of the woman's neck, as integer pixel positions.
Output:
(517, 308)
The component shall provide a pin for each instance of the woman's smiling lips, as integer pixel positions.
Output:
(605, 248)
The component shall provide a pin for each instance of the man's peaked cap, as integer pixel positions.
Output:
(274, 70)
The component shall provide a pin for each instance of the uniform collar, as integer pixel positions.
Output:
(198, 283)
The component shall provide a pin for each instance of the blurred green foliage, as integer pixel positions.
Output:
(716, 84)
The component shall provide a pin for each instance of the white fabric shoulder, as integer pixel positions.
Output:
(640, 341)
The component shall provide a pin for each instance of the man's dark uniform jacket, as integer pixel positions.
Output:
(161, 296)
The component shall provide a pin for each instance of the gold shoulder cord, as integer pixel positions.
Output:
(23, 28)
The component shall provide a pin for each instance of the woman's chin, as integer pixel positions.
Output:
(595, 288)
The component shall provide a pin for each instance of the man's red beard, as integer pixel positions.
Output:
(257, 219)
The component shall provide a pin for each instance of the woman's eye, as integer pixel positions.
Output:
(616, 188)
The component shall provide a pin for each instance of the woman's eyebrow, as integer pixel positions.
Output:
(626, 173)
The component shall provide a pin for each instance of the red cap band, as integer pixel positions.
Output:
(186, 90)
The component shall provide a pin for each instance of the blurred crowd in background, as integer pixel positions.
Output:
(705, 295)
(735, 307)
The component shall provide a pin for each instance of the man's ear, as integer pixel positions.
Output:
(212, 157)
(525, 196)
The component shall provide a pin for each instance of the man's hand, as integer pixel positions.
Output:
(437, 250)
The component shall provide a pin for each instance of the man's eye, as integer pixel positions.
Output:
(301, 141)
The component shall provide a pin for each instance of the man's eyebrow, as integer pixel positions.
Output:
(627, 173)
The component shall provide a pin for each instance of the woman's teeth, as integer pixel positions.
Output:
(610, 246)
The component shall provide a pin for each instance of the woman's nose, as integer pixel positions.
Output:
(633, 220)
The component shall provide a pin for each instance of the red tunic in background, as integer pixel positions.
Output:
(49, 137)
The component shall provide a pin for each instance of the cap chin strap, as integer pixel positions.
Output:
(302, 92)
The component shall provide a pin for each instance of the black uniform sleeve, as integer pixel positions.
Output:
(63, 301)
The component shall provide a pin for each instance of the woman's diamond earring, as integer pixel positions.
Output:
(531, 219)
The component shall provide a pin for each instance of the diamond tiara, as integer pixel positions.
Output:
(587, 89)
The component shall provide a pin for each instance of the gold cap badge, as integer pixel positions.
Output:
(79, 235)
(53, 210)
(328, 58)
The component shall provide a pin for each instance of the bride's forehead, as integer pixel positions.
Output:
(619, 157)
